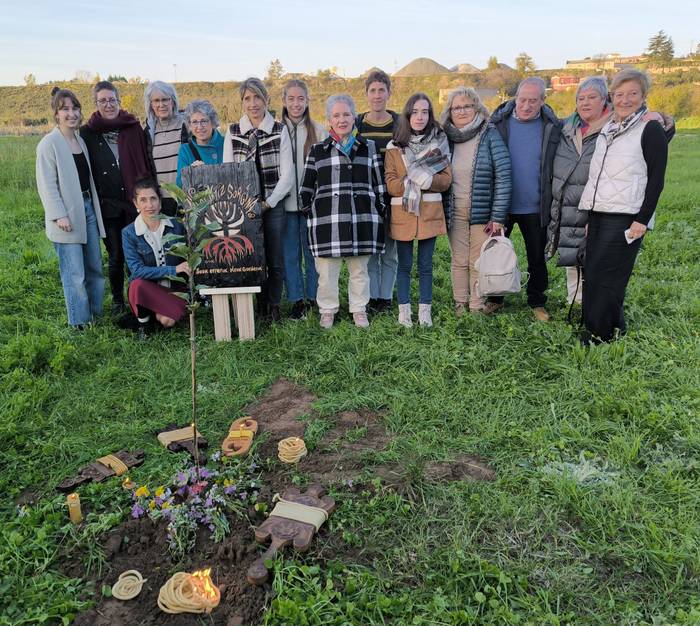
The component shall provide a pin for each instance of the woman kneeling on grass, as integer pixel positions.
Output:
(72, 210)
(342, 195)
(416, 170)
(149, 263)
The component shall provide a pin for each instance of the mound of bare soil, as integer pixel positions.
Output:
(284, 411)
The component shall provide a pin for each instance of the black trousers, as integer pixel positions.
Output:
(535, 237)
(273, 229)
(115, 253)
(609, 264)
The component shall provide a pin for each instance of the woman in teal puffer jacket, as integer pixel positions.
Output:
(478, 201)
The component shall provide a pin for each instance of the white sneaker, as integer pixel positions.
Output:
(326, 320)
(360, 319)
(405, 315)
(424, 317)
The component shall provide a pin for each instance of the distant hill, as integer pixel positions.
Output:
(422, 67)
(465, 68)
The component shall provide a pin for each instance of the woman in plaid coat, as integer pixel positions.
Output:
(343, 197)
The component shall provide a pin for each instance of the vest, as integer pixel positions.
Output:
(268, 156)
(617, 178)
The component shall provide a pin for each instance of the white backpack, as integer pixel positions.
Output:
(498, 268)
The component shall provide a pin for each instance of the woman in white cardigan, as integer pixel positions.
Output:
(72, 210)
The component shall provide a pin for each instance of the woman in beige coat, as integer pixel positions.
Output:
(417, 169)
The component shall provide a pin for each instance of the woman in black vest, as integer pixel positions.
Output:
(258, 137)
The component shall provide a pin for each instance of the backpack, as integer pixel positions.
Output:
(498, 268)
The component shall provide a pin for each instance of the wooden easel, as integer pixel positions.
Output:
(243, 311)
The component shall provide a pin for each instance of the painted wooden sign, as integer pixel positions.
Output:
(235, 257)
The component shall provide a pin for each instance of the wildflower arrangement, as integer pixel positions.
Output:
(188, 501)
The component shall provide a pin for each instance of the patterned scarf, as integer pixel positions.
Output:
(460, 135)
(344, 145)
(615, 128)
(425, 156)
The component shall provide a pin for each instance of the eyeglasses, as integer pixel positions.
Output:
(200, 122)
(463, 109)
(160, 100)
(103, 101)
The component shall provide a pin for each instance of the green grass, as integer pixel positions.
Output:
(594, 516)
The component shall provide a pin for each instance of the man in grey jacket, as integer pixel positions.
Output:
(531, 130)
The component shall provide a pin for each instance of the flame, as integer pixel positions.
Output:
(203, 582)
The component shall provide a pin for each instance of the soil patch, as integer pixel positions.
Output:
(141, 544)
(464, 467)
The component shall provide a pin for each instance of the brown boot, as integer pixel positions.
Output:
(540, 314)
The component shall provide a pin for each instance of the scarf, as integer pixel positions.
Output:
(460, 135)
(344, 145)
(614, 128)
(425, 156)
(581, 128)
(133, 159)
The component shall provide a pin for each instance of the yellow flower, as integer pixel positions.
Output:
(165, 505)
(142, 492)
(160, 491)
(152, 504)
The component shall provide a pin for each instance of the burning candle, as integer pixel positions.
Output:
(73, 502)
(206, 589)
(128, 484)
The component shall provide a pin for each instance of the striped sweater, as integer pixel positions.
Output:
(167, 139)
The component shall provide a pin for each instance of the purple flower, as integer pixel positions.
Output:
(181, 478)
(231, 489)
(204, 473)
(253, 466)
(181, 491)
(243, 495)
(208, 502)
(137, 511)
(216, 456)
(211, 527)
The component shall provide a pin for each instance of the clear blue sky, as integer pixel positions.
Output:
(208, 40)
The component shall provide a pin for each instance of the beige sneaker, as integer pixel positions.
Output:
(326, 320)
(540, 314)
(460, 308)
(360, 319)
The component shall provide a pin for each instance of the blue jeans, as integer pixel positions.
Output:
(81, 273)
(426, 247)
(382, 270)
(296, 247)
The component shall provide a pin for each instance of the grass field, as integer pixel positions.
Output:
(594, 514)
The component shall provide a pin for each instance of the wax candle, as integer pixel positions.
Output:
(73, 502)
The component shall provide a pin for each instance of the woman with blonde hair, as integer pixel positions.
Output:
(257, 137)
(479, 199)
(298, 261)
(625, 181)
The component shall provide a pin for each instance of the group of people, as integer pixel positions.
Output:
(364, 190)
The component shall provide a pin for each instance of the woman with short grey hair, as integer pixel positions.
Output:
(567, 228)
(206, 144)
(342, 195)
(165, 132)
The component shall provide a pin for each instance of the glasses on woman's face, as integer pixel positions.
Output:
(200, 122)
(463, 109)
(105, 101)
(158, 101)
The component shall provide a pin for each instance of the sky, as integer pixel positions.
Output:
(214, 40)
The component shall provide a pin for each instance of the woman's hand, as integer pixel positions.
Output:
(183, 268)
(653, 116)
(497, 228)
(637, 230)
(196, 163)
(64, 224)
